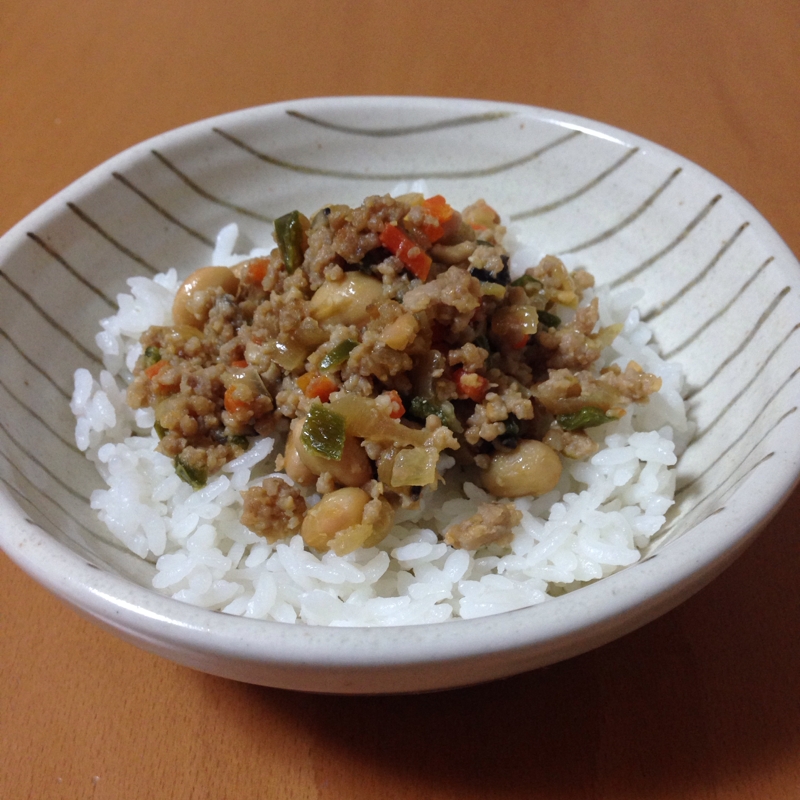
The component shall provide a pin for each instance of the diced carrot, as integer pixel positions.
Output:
(322, 387)
(398, 409)
(257, 270)
(471, 385)
(407, 250)
(521, 343)
(232, 403)
(304, 380)
(154, 369)
(241, 363)
(438, 208)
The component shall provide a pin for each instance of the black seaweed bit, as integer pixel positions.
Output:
(487, 276)
(374, 257)
(504, 276)
(483, 275)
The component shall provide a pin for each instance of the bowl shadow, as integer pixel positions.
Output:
(705, 696)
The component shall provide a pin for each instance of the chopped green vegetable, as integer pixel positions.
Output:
(421, 409)
(323, 432)
(152, 355)
(588, 417)
(196, 477)
(526, 280)
(549, 320)
(510, 436)
(338, 355)
(160, 430)
(239, 441)
(290, 236)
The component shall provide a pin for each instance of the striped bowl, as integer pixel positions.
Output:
(720, 291)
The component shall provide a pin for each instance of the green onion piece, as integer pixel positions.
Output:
(549, 320)
(290, 236)
(160, 430)
(239, 441)
(484, 242)
(196, 477)
(152, 355)
(421, 409)
(526, 280)
(323, 432)
(588, 417)
(338, 355)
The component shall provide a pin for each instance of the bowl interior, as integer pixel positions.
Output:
(719, 286)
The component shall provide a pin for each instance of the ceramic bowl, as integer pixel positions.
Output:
(720, 291)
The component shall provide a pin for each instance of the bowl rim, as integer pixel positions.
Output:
(546, 633)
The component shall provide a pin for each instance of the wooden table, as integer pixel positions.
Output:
(703, 703)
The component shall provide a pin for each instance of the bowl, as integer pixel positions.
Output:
(720, 291)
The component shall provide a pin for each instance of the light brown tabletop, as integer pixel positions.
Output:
(702, 703)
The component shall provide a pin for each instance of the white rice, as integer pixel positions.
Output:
(597, 520)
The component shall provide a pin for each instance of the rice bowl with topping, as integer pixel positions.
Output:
(442, 554)
(713, 281)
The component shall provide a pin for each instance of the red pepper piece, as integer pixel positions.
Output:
(407, 250)
(398, 409)
(471, 385)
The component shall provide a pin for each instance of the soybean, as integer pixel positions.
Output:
(201, 280)
(345, 302)
(531, 468)
(336, 512)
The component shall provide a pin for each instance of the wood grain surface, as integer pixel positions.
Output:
(703, 703)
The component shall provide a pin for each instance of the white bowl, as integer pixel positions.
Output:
(720, 292)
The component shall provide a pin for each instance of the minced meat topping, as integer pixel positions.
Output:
(377, 338)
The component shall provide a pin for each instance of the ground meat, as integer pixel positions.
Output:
(559, 287)
(471, 357)
(357, 231)
(566, 392)
(451, 299)
(273, 510)
(634, 385)
(406, 304)
(573, 444)
(488, 420)
(491, 524)
(572, 346)
(321, 255)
